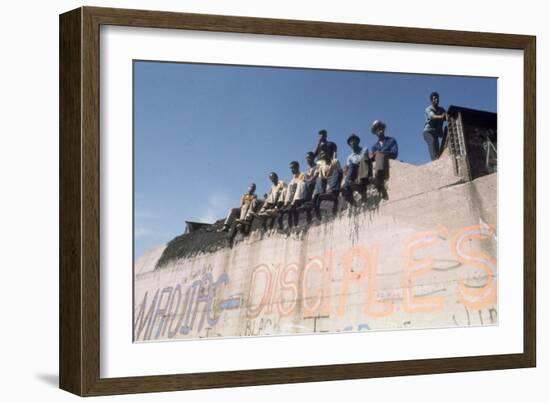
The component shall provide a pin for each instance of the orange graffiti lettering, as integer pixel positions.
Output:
(254, 311)
(416, 267)
(319, 295)
(288, 285)
(374, 307)
(476, 298)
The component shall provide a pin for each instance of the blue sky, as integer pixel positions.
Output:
(202, 133)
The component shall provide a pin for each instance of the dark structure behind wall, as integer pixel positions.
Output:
(472, 140)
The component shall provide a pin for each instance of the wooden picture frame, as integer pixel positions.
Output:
(79, 346)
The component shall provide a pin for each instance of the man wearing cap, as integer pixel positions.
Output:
(433, 128)
(356, 172)
(381, 152)
(244, 212)
(295, 195)
(323, 144)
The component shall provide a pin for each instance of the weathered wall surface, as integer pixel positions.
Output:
(424, 258)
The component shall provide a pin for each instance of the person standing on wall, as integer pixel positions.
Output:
(433, 128)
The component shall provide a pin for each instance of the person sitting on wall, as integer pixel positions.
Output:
(433, 128)
(295, 195)
(310, 177)
(356, 171)
(381, 152)
(274, 200)
(323, 144)
(244, 213)
(327, 185)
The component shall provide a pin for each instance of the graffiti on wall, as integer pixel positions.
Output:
(174, 311)
(324, 291)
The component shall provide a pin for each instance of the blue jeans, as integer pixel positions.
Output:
(333, 183)
(433, 144)
(330, 186)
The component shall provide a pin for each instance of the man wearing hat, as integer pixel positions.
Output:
(356, 172)
(324, 145)
(381, 152)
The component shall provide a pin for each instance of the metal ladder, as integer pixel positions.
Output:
(457, 147)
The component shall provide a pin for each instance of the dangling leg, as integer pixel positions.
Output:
(381, 166)
(231, 216)
(317, 206)
(335, 203)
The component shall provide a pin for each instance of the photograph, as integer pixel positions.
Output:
(253, 200)
(275, 201)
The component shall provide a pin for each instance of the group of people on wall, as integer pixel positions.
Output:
(325, 179)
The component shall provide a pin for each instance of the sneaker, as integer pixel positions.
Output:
(225, 228)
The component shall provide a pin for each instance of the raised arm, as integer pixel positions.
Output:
(441, 116)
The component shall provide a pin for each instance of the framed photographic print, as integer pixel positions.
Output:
(249, 201)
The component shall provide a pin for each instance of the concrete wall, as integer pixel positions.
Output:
(424, 258)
